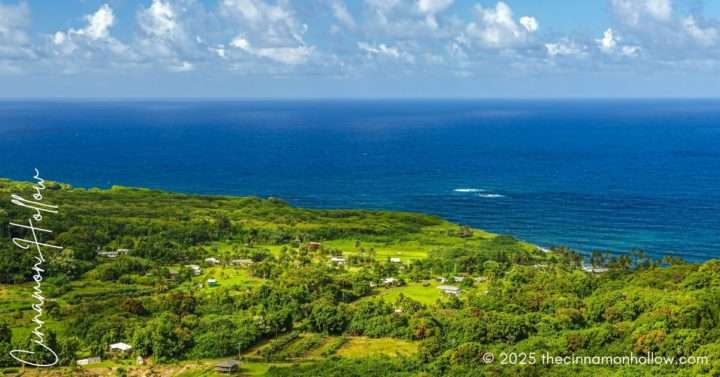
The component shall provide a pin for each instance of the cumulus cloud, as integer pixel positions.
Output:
(93, 43)
(15, 43)
(285, 55)
(270, 31)
(705, 36)
(342, 14)
(610, 44)
(383, 50)
(496, 27)
(565, 47)
(166, 37)
(408, 18)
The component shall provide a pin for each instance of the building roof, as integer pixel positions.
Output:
(120, 346)
(448, 287)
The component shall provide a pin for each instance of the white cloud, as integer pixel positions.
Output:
(99, 23)
(496, 27)
(637, 12)
(610, 44)
(565, 47)
(15, 43)
(530, 23)
(430, 8)
(158, 20)
(343, 15)
(85, 48)
(705, 36)
(285, 55)
(383, 50)
(166, 35)
(407, 18)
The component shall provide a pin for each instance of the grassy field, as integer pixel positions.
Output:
(427, 295)
(363, 347)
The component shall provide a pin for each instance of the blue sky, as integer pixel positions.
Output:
(360, 48)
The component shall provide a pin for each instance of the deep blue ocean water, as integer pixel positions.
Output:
(592, 175)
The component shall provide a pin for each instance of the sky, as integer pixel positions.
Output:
(359, 48)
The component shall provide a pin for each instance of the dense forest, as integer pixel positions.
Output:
(188, 280)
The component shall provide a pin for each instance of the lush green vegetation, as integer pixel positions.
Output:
(286, 308)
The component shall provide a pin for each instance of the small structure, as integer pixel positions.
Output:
(394, 260)
(89, 361)
(449, 289)
(389, 281)
(242, 262)
(121, 348)
(596, 270)
(228, 366)
(212, 260)
(139, 360)
(113, 254)
(314, 245)
(196, 270)
(480, 279)
(212, 283)
(337, 260)
(458, 279)
(442, 279)
(540, 266)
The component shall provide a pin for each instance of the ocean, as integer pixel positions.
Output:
(608, 175)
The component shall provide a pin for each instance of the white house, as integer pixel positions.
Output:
(597, 270)
(337, 260)
(196, 270)
(395, 260)
(212, 260)
(89, 360)
(449, 289)
(120, 347)
(389, 281)
(458, 279)
(212, 283)
(242, 262)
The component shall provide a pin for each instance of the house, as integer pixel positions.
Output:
(441, 279)
(314, 245)
(395, 260)
(212, 283)
(449, 289)
(196, 270)
(389, 281)
(597, 270)
(89, 361)
(120, 348)
(458, 279)
(337, 260)
(139, 360)
(228, 366)
(242, 262)
(212, 260)
(113, 254)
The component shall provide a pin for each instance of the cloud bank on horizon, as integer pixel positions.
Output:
(363, 44)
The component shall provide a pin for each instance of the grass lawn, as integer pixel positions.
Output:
(416, 291)
(363, 347)
(228, 276)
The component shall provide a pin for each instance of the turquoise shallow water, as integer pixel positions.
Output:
(608, 175)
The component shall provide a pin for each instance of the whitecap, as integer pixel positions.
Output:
(491, 196)
(468, 190)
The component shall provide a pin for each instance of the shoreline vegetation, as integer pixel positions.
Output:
(152, 283)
